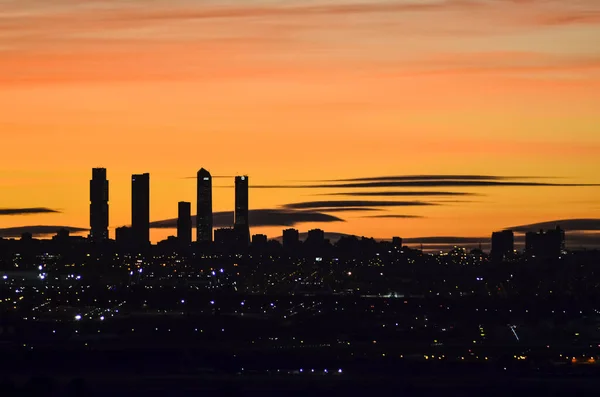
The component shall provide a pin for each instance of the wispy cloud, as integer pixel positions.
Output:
(351, 209)
(424, 183)
(394, 216)
(324, 205)
(429, 178)
(27, 211)
(260, 217)
(399, 194)
(566, 224)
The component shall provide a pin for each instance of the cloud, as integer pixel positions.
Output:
(427, 178)
(566, 224)
(324, 205)
(394, 216)
(166, 11)
(399, 194)
(432, 183)
(38, 230)
(535, 13)
(351, 209)
(415, 181)
(582, 240)
(27, 211)
(261, 217)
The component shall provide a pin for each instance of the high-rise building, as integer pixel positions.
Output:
(315, 237)
(204, 214)
(99, 205)
(546, 243)
(225, 240)
(123, 237)
(140, 209)
(260, 239)
(503, 244)
(397, 242)
(184, 223)
(291, 239)
(241, 225)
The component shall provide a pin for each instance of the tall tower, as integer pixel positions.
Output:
(140, 208)
(184, 223)
(99, 205)
(241, 224)
(204, 214)
(503, 245)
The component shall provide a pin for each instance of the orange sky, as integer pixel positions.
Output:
(301, 90)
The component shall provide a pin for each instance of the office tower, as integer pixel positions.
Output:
(204, 214)
(291, 239)
(503, 244)
(225, 240)
(259, 239)
(123, 235)
(397, 242)
(241, 224)
(547, 243)
(184, 223)
(98, 205)
(315, 237)
(140, 209)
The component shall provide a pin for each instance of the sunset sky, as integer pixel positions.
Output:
(298, 92)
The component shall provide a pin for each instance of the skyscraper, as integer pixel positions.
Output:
(140, 208)
(241, 224)
(503, 244)
(291, 239)
(184, 223)
(546, 243)
(99, 205)
(204, 215)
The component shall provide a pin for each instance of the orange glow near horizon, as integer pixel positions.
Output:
(288, 91)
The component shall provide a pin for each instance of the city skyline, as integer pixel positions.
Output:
(287, 92)
(583, 233)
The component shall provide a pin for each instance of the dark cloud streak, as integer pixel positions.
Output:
(436, 183)
(392, 216)
(399, 194)
(324, 205)
(429, 178)
(567, 224)
(27, 211)
(258, 218)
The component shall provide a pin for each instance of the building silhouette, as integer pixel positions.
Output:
(291, 239)
(241, 225)
(184, 223)
(225, 240)
(260, 240)
(546, 243)
(99, 205)
(140, 209)
(204, 214)
(315, 237)
(397, 242)
(503, 245)
(123, 236)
